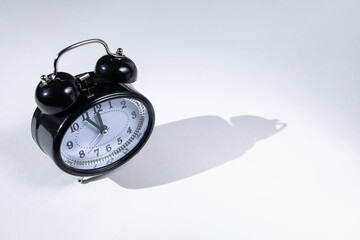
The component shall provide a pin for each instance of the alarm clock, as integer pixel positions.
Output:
(95, 121)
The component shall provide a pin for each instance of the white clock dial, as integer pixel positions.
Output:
(104, 133)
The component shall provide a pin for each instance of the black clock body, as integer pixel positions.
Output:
(48, 129)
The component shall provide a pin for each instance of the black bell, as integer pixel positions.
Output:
(119, 69)
(56, 95)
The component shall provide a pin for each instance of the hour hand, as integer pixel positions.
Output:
(94, 124)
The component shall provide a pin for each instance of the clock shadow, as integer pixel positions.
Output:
(188, 147)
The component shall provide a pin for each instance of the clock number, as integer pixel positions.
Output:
(119, 140)
(85, 116)
(123, 103)
(97, 108)
(129, 130)
(110, 105)
(70, 144)
(108, 148)
(82, 154)
(133, 114)
(126, 150)
(74, 127)
(109, 161)
(96, 151)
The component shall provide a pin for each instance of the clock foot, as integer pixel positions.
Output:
(80, 180)
(84, 180)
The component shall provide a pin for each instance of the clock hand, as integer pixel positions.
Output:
(101, 134)
(95, 138)
(104, 129)
(96, 142)
(94, 124)
(99, 119)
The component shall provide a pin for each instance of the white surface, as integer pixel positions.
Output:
(217, 167)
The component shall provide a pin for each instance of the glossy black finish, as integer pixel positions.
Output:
(116, 69)
(48, 130)
(58, 95)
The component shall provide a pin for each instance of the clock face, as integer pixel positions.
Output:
(104, 134)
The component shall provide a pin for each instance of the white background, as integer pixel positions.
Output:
(217, 166)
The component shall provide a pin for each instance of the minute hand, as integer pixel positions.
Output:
(100, 120)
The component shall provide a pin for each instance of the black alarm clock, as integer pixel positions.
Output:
(92, 122)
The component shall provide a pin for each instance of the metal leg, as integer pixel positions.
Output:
(80, 179)
(84, 180)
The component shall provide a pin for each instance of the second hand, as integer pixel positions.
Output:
(100, 134)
